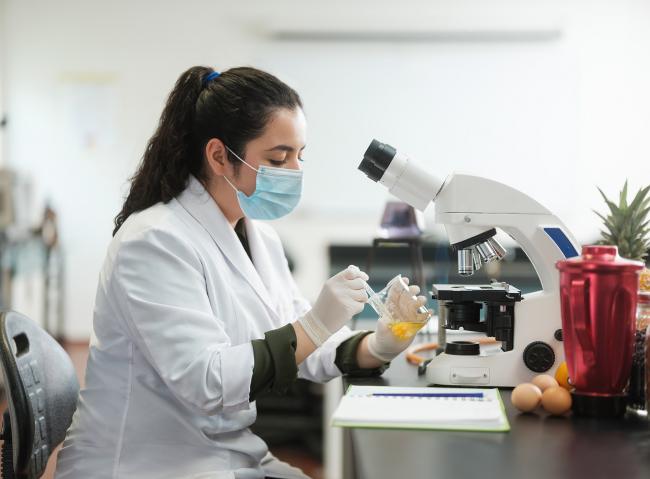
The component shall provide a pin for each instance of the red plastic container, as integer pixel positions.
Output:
(598, 292)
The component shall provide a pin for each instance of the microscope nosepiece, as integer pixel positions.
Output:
(476, 258)
(486, 251)
(469, 261)
(490, 250)
(465, 262)
(498, 249)
(479, 249)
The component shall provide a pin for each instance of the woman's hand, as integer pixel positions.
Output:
(384, 345)
(342, 296)
(405, 306)
(404, 303)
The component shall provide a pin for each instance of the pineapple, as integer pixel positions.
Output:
(628, 226)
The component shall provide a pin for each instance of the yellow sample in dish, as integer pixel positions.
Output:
(405, 330)
(399, 308)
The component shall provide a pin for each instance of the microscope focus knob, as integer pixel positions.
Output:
(539, 357)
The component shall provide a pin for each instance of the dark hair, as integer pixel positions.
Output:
(234, 107)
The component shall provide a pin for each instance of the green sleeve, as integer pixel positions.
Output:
(346, 358)
(274, 367)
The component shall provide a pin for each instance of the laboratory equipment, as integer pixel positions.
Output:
(599, 297)
(400, 220)
(472, 208)
(406, 312)
(377, 302)
(401, 226)
(402, 311)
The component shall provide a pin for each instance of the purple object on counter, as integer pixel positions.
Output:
(399, 221)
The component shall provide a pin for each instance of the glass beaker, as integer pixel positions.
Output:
(399, 308)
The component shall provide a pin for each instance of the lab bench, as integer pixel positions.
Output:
(537, 446)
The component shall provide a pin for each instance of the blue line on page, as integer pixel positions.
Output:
(432, 395)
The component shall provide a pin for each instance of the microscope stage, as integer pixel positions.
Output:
(495, 292)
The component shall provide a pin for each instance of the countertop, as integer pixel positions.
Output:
(538, 445)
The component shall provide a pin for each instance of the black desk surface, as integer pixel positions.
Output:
(537, 446)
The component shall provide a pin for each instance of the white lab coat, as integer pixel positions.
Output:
(170, 364)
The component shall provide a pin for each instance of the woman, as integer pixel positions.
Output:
(196, 311)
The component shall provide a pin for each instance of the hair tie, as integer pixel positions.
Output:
(210, 77)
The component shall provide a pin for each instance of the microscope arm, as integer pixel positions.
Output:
(541, 235)
(471, 207)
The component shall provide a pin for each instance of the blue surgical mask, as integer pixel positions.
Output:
(277, 192)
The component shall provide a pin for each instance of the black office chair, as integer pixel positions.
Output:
(41, 388)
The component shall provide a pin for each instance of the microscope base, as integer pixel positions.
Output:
(505, 369)
(537, 318)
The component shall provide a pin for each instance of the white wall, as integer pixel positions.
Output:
(553, 117)
(3, 46)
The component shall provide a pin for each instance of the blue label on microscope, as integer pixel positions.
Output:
(561, 240)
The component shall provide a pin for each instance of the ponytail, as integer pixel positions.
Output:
(233, 106)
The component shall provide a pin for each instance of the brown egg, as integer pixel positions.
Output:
(526, 397)
(556, 400)
(544, 381)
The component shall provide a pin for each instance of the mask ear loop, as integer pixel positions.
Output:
(237, 156)
(231, 185)
(226, 178)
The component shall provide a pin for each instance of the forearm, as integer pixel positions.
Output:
(366, 360)
(278, 355)
(276, 359)
(354, 359)
(304, 345)
(274, 366)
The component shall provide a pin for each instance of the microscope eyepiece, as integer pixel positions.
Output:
(380, 153)
(399, 175)
(371, 170)
(376, 159)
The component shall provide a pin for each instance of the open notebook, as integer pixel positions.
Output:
(422, 408)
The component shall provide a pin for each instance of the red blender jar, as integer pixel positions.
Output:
(598, 293)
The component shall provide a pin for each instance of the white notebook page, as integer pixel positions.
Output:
(361, 407)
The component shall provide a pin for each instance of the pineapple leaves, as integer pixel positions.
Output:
(627, 225)
(623, 197)
(613, 208)
(641, 199)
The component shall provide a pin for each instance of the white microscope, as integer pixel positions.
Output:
(471, 208)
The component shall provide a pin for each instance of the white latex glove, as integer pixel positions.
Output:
(342, 296)
(404, 304)
(383, 344)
